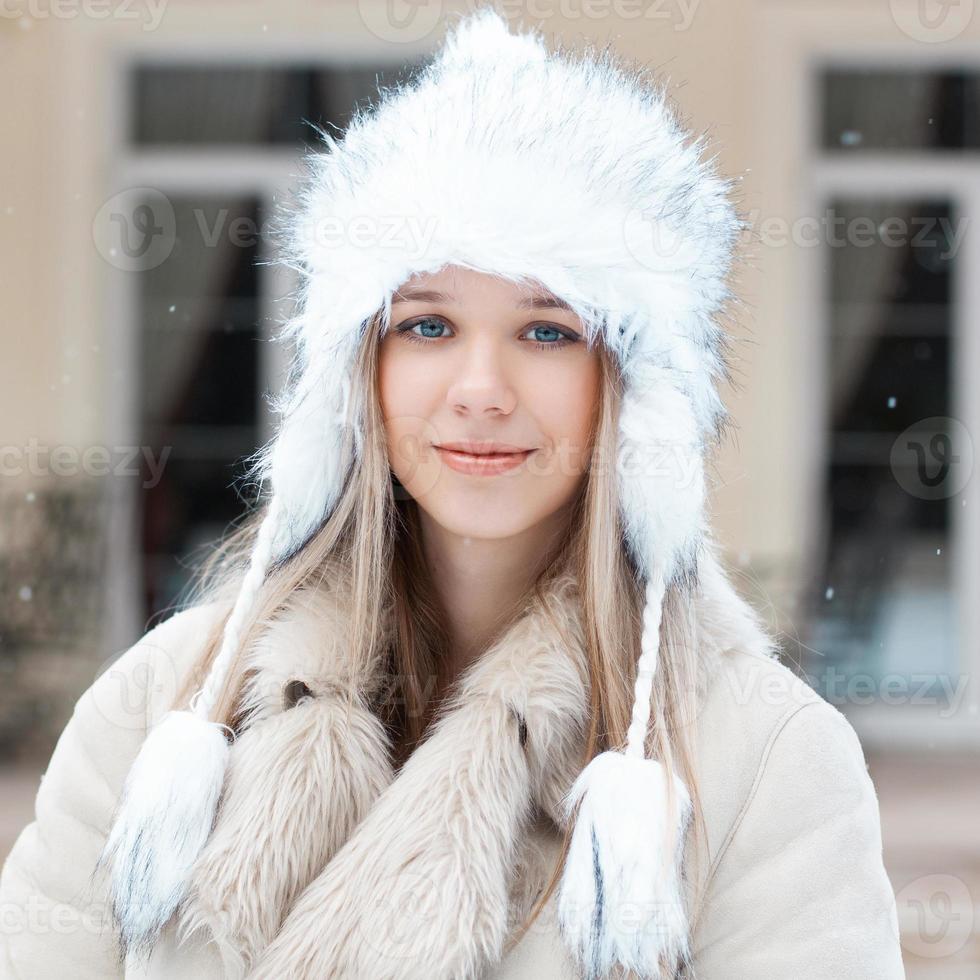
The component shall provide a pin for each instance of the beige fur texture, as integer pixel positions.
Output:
(310, 762)
(323, 863)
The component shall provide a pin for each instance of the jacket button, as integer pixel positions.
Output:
(294, 692)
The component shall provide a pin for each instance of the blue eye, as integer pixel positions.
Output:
(426, 323)
(553, 332)
(555, 337)
(543, 335)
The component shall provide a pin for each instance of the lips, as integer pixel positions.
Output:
(485, 448)
(481, 459)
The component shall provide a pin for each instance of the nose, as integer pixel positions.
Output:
(481, 385)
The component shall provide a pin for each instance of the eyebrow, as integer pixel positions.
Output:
(433, 296)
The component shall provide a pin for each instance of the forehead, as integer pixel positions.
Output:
(461, 286)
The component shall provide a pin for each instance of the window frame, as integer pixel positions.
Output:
(266, 172)
(953, 175)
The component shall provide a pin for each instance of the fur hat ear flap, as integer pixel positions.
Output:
(312, 452)
(620, 898)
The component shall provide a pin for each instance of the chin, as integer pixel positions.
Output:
(465, 524)
(492, 518)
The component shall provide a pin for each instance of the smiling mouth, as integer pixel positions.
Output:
(485, 447)
(482, 464)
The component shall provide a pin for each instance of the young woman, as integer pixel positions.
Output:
(470, 694)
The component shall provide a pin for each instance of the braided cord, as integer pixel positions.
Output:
(646, 667)
(202, 704)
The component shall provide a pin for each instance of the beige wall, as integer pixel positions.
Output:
(739, 70)
(735, 69)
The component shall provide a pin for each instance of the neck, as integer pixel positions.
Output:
(480, 581)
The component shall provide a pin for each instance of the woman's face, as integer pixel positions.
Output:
(486, 365)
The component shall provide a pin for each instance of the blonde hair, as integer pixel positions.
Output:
(375, 539)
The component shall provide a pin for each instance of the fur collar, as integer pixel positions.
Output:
(324, 862)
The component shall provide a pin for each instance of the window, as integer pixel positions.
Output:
(888, 609)
(208, 150)
(246, 104)
(199, 378)
(873, 109)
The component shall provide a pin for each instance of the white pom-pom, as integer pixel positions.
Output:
(620, 899)
(164, 818)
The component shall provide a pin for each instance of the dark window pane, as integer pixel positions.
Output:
(882, 604)
(891, 317)
(900, 110)
(183, 516)
(199, 386)
(248, 104)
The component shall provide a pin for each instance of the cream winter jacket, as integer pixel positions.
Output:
(793, 879)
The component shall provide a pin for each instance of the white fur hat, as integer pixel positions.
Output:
(568, 170)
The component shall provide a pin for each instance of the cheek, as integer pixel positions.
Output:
(405, 391)
(397, 383)
(566, 405)
(407, 386)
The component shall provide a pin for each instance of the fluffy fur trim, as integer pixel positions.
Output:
(311, 761)
(298, 784)
(319, 660)
(495, 157)
(423, 887)
(316, 841)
